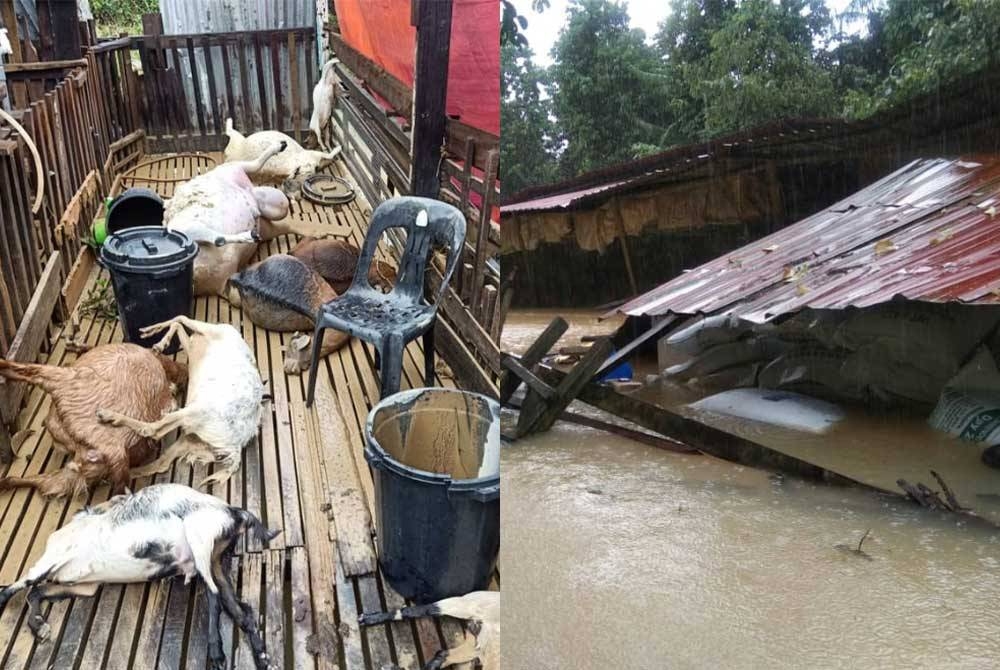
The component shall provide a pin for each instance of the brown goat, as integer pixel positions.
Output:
(123, 377)
(336, 261)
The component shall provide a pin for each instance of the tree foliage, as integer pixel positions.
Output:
(527, 152)
(716, 66)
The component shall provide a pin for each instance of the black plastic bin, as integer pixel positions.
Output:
(135, 207)
(435, 457)
(151, 271)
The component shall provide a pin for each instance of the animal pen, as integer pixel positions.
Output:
(101, 125)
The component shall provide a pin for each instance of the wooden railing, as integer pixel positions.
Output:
(193, 83)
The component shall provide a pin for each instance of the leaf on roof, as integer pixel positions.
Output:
(883, 247)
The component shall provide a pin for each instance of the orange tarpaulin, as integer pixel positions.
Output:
(381, 30)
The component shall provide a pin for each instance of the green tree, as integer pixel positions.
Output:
(762, 66)
(607, 107)
(527, 149)
(928, 43)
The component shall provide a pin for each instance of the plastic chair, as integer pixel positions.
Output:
(391, 320)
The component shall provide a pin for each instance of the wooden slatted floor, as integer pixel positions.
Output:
(306, 475)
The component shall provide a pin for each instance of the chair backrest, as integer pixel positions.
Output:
(445, 227)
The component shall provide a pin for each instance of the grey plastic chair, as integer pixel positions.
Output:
(389, 321)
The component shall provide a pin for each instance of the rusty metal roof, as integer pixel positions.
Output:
(787, 137)
(928, 232)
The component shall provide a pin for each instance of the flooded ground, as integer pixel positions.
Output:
(617, 555)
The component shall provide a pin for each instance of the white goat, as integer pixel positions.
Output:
(164, 530)
(223, 407)
(482, 641)
(294, 162)
(324, 95)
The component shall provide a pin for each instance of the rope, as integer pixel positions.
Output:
(39, 173)
(163, 159)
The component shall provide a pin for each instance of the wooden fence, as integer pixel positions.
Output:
(193, 83)
(83, 119)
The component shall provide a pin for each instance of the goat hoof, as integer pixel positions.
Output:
(104, 416)
(284, 145)
(43, 631)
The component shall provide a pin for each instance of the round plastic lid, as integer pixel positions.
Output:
(147, 248)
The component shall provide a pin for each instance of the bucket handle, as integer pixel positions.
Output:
(375, 460)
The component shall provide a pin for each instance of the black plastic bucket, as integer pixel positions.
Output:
(135, 207)
(435, 456)
(152, 272)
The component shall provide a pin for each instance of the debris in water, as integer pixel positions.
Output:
(856, 552)
(925, 497)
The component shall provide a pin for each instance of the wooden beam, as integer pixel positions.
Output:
(619, 355)
(430, 92)
(539, 416)
(382, 82)
(65, 29)
(702, 437)
(533, 356)
(31, 333)
(8, 20)
(6, 450)
(657, 441)
(46, 66)
(462, 362)
(527, 376)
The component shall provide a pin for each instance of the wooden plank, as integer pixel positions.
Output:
(430, 84)
(627, 350)
(527, 376)
(9, 21)
(322, 572)
(261, 87)
(279, 108)
(212, 93)
(398, 94)
(242, 56)
(274, 610)
(29, 337)
(350, 632)
(351, 517)
(301, 604)
(701, 436)
(65, 29)
(293, 86)
(230, 80)
(199, 107)
(482, 233)
(533, 355)
(250, 593)
(538, 415)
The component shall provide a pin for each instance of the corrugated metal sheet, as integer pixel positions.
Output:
(928, 232)
(223, 16)
(781, 138)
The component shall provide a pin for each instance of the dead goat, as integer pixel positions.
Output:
(223, 407)
(164, 530)
(121, 377)
(481, 609)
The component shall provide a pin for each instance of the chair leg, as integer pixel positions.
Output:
(392, 366)
(378, 359)
(429, 357)
(314, 363)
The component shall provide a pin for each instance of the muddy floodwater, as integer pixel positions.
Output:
(618, 555)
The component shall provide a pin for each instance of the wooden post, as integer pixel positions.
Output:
(432, 19)
(65, 29)
(8, 20)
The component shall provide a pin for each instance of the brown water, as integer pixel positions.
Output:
(617, 555)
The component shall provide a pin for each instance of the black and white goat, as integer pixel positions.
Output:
(481, 609)
(164, 530)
